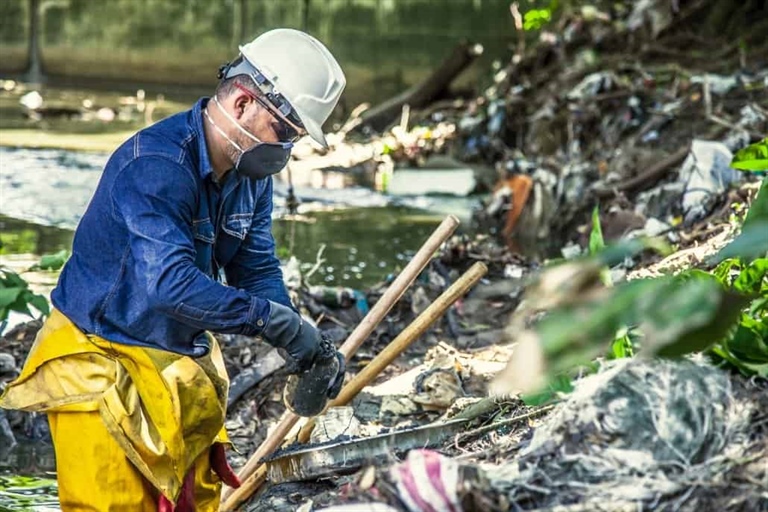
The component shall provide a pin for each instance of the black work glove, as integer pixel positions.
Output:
(307, 393)
(296, 338)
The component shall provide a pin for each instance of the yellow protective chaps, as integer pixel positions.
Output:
(127, 422)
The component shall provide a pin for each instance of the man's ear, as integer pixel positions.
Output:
(239, 102)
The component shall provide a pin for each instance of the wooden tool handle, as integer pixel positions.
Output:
(231, 497)
(396, 347)
(403, 340)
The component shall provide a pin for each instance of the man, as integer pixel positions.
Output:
(133, 385)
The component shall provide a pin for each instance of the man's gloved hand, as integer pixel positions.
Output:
(307, 393)
(298, 338)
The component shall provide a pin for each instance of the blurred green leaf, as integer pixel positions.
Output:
(536, 18)
(691, 318)
(558, 384)
(758, 210)
(52, 261)
(676, 315)
(750, 244)
(596, 242)
(752, 158)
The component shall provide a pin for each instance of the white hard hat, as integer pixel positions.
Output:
(299, 68)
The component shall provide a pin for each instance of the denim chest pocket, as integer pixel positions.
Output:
(203, 231)
(237, 225)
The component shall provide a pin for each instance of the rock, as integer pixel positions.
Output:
(7, 365)
(706, 173)
(7, 439)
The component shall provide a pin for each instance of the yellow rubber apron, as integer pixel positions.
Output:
(163, 409)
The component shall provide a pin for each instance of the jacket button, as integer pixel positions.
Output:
(260, 322)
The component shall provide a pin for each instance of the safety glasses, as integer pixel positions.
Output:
(284, 129)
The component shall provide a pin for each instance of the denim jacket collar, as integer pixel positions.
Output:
(206, 169)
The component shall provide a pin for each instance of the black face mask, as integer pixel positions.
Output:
(259, 161)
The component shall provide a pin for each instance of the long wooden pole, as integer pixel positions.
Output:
(403, 340)
(396, 347)
(350, 346)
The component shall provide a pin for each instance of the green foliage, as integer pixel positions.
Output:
(559, 384)
(52, 261)
(623, 346)
(596, 242)
(15, 295)
(758, 212)
(752, 158)
(536, 18)
(722, 312)
(752, 242)
(746, 348)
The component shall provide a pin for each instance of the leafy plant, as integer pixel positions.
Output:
(723, 313)
(52, 261)
(15, 295)
(596, 242)
(536, 18)
(752, 158)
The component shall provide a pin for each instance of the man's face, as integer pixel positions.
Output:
(259, 121)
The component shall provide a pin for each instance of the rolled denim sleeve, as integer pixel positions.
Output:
(255, 267)
(156, 198)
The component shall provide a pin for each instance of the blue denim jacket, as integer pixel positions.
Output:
(149, 250)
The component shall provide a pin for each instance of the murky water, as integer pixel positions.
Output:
(36, 491)
(27, 493)
(366, 235)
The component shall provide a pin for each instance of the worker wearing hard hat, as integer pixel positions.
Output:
(133, 383)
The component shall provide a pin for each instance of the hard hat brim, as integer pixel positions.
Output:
(313, 129)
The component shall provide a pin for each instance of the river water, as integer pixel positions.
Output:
(364, 235)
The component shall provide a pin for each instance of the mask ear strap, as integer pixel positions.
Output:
(221, 132)
(233, 121)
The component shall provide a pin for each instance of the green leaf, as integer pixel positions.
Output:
(21, 304)
(752, 243)
(622, 347)
(596, 242)
(725, 269)
(752, 158)
(52, 261)
(8, 297)
(40, 303)
(559, 384)
(675, 315)
(758, 210)
(691, 317)
(10, 279)
(749, 341)
(748, 369)
(753, 279)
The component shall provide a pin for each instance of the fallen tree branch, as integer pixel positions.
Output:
(646, 179)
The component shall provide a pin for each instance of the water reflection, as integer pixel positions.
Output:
(362, 245)
(34, 491)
